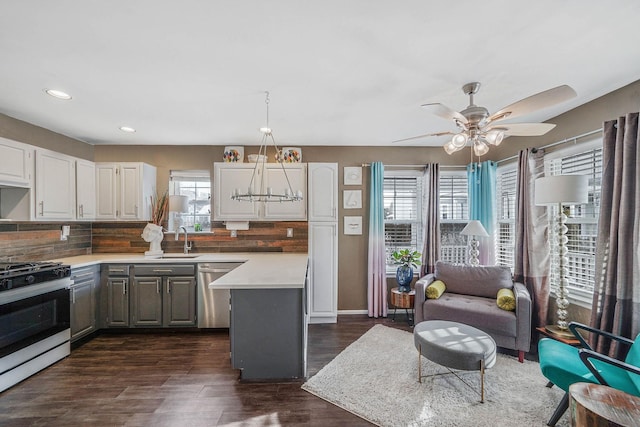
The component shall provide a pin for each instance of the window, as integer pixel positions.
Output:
(506, 192)
(196, 185)
(582, 223)
(402, 212)
(454, 215)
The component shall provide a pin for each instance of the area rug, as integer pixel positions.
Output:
(376, 379)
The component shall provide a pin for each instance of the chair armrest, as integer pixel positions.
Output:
(523, 316)
(586, 355)
(418, 300)
(574, 326)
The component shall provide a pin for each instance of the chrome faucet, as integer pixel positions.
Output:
(187, 246)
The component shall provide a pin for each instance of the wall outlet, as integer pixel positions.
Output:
(64, 233)
(289, 232)
(234, 233)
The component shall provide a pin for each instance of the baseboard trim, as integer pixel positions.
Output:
(350, 312)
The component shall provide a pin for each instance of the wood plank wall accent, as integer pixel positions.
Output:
(33, 241)
(124, 237)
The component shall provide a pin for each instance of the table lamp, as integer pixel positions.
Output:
(178, 204)
(556, 190)
(474, 228)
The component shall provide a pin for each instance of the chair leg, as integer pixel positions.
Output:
(560, 410)
(521, 356)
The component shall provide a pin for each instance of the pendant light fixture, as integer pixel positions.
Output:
(256, 190)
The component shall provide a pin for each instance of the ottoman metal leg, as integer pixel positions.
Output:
(419, 364)
(481, 380)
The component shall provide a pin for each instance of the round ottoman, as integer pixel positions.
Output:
(455, 345)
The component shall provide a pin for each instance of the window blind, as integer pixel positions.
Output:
(506, 191)
(454, 215)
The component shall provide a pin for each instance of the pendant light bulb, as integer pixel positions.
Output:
(494, 137)
(459, 140)
(480, 148)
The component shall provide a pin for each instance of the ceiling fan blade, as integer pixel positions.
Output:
(445, 112)
(423, 136)
(534, 102)
(523, 129)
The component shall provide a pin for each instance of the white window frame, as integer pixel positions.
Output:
(416, 223)
(578, 294)
(201, 180)
(453, 246)
(506, 188)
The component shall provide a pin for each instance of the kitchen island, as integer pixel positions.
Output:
(268, 331)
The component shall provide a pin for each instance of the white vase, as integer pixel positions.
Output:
(153, 234)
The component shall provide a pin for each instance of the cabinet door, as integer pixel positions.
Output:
(180, 301)
(323, 272)
(16, 163)
(55, 186)
(130, 192)
(227, 178)
(118, 302)
(83, 317)
(278, 180)
(107, 191)
(323, 191)
(85, 190)
(147, 301)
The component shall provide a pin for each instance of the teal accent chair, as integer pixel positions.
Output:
(564, 365)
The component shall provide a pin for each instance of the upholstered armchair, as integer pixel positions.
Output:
(564, 365)
(470, 296)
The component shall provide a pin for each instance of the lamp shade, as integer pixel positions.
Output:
(178, 204)
(572, 189)
(474, 228)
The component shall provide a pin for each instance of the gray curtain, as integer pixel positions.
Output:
(430, 219)
(616, 300)
(532, 244)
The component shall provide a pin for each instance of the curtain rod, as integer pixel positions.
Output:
(553, 144)
(366, 165)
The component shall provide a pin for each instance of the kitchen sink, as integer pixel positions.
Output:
(168, 256)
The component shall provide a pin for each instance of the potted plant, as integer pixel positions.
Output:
(152, 232)
(406, 259)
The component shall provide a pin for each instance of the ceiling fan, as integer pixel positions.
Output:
(482, 129)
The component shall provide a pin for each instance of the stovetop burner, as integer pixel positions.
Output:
(17, 274)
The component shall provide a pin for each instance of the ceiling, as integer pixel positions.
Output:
(339, 72)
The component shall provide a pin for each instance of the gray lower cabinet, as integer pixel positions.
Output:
(163, 301)
(84, 294)
(117, 296)
(163, 296)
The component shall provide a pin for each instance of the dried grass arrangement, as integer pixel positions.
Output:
(159, 208)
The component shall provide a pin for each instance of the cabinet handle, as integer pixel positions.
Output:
(77, 276)
(116, 270)
(42, 208)
(158, 287)
(136, 208)
(168, 285)
(124, 287)
(81, 211)
(162, 270)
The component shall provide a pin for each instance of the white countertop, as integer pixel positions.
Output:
(258, 271)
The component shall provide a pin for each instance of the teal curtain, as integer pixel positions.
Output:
(377, 265)
(481, 178)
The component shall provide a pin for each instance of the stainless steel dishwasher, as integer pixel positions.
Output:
(213, 306)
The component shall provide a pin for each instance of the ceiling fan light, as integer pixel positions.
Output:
(450, 148)
(459, 140)
(494, 137)
(480, 148)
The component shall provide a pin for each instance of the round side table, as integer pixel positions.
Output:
(403, 300)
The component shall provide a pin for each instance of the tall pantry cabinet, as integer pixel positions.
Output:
(323, 242)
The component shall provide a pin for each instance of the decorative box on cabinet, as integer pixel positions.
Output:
(231, 176)
(323, 242)
(124, 190)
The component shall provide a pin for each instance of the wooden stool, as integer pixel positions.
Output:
(595, 405)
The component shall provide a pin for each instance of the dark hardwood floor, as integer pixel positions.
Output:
(177, 379)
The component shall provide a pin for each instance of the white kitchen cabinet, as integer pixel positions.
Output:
(323, 242)
(231, 176)
(124, 190)
(16, 163)
(323, 192)
(85, 190)
(323, 272)
(55, 188)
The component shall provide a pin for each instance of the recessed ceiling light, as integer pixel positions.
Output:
(58, 94)
(127, 129)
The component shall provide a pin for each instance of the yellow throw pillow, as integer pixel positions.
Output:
(435, 289)
(506, 300)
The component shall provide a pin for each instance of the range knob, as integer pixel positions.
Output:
(30, 279)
